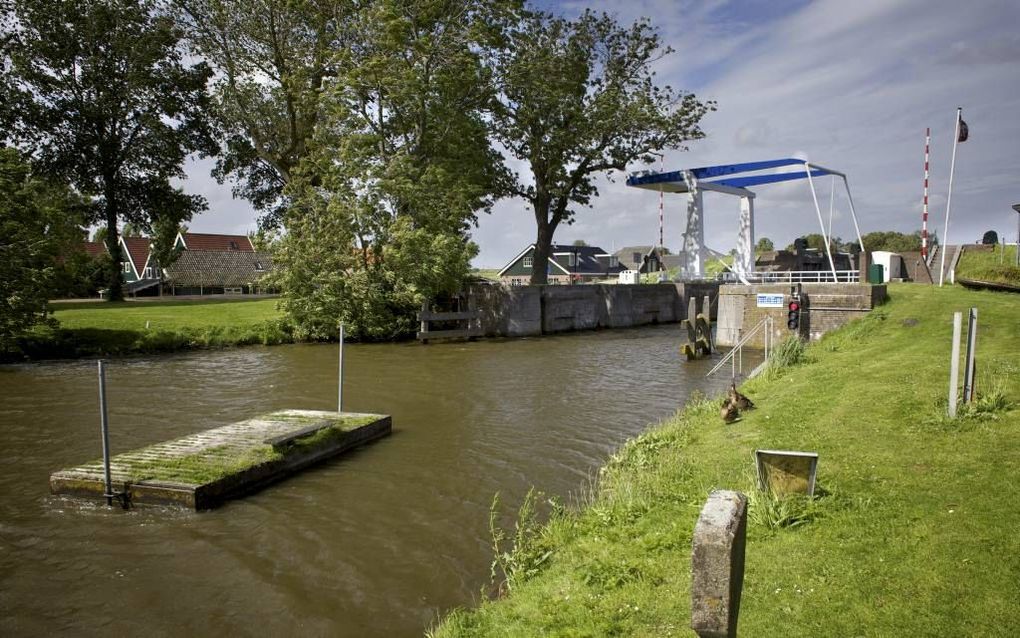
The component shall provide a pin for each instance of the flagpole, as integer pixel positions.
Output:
(949, 197)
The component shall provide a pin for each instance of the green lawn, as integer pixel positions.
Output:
(998, 265)
(166, 315)
(100, 329)
(914, 534)
(491, 274)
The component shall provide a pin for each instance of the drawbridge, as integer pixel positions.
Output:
(736, 180)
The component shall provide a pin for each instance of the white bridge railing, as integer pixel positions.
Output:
(797, 277)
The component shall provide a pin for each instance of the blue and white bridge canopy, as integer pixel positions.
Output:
(735, 179)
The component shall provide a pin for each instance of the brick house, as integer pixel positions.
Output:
(208, 264)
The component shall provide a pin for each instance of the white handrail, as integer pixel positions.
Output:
(801, 276)
(738, 348)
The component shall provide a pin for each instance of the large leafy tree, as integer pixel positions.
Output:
(398, 168)
(105, 100)
(38, 231)
(578, 99)
(272, 60)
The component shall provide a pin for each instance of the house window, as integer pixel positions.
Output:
(258, 266)
(233, 245)
(571, 260)
(127, 267)
(637, 258)
(614, 261)
(528, 261)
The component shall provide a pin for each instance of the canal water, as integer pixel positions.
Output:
(378, 543)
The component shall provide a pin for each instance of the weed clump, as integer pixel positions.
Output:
(787, 354)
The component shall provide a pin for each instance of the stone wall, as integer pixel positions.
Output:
(519, 311)
(824, 308)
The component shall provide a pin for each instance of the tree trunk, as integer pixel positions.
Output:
(543, 247)
(116, 277)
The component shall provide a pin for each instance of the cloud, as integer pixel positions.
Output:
(851, 85)
(848, 85)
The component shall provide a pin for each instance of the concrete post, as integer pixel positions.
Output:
(744, 263)
(954, 363)
(717, 565)
(694, 236)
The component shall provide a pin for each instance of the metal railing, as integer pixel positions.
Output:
(736, 354)
(797, 276)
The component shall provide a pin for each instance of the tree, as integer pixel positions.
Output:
(37, 229)
(894, 241)
(105, 102)
(273, 59)
(396, 172)
(577, 99)
(764, 245)
(130, 230)
(990, 237)
(579, 242)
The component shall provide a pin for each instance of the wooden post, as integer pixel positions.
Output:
(968, 371)
(717, 564)
(954, 363)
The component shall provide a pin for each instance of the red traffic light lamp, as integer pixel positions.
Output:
(793, 314)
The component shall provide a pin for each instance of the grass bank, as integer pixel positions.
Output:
(914, 532)
(997, 265)
(102, 328)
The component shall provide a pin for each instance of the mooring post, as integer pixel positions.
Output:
(968, 371)
(717, 564)
(105, 424)
(954, 363)
(340, 374)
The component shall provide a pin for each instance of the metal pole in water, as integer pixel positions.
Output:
(340, 374)
(954, 363)
(106, 432)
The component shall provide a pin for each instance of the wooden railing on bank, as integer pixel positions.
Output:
(471, 328)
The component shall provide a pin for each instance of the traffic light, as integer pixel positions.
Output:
(793, 314)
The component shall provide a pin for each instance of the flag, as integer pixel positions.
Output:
(963, 131)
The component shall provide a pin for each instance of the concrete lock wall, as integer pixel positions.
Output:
(519, 311)
(824, 307)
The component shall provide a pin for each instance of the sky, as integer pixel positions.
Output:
(848, 85)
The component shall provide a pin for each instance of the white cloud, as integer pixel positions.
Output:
(851, 85)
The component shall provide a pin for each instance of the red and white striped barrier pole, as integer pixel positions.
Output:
(662, 169)
(924, 210)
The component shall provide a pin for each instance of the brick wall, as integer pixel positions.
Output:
(824, 307)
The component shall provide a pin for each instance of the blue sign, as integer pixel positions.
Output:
(770, 300)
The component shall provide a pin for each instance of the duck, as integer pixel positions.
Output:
(729, 411)
(739, 400)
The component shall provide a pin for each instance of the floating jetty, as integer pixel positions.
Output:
(202, 470)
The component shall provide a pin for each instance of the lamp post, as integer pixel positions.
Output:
(1016, 207)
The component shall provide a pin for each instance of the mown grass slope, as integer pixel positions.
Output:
(914, 533)
(997, 265)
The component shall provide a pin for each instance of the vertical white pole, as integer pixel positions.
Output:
(832, 202)
(954, 363)
(853, 213)
(105, 425)
(340, 374)
(949, 197)
(662, 169)
(821, 224)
